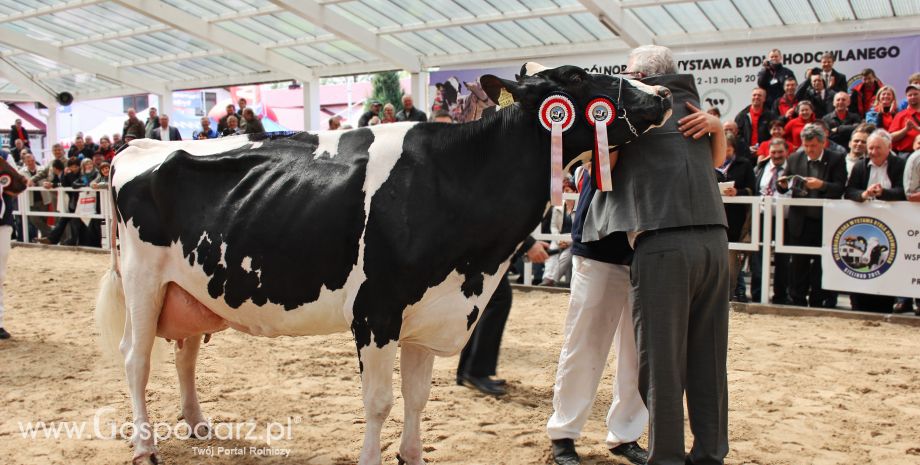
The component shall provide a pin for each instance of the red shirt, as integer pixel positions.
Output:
(785, 105)
(906, 144)
(755, 117)
(793, 131)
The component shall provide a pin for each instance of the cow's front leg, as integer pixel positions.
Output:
(415, 364)
(377, 384)
(186, 358)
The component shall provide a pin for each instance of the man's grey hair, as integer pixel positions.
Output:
(881, 134)
(813, 132)
(778, 142)
(652, 60)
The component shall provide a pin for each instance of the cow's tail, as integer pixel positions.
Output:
(111, 316)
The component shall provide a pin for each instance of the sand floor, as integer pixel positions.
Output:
(803, 390)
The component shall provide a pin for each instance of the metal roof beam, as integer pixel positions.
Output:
(11, 97)
(81, 62)
(510, 16)
(47, 10)
(26, 84)
(863, 27)
(322, 16)
(613, 16)
(646, 3)
(527, 53)
(217, 36)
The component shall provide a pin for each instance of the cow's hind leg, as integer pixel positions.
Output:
(415, 364)
(143, 299)
(186, 356)
(377, 384)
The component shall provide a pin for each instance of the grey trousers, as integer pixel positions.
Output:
(680, 289)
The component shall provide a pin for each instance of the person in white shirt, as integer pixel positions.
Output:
(767, 172)
(858, 145)
(164, 131)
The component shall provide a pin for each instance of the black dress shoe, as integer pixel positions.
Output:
(4, 334)
(498, 381)
(564, 452)
(631, 451)
(483, 384)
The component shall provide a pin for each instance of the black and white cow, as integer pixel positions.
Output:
(398, 233)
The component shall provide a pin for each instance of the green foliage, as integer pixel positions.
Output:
(386, 89)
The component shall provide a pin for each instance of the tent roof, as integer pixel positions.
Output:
(97, 48)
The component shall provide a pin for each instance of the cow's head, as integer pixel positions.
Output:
(638, 107)
(13, 183)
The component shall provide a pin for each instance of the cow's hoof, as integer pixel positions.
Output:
(146, 460)
(201, 431)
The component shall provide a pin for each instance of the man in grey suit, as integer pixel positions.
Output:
(666, 199)
(164, 131)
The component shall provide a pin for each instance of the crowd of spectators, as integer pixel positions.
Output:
(818, 139)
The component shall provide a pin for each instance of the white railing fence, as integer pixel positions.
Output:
(61, 210)
(761, 233)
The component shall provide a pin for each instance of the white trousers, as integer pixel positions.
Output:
(6, 233)
(600, 312)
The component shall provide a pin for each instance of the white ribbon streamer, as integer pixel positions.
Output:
(555, 183)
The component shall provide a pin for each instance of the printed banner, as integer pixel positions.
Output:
(724, 76)
(872, 248)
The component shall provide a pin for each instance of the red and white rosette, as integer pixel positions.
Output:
(5, 181)
(557, 115)
(600, 113)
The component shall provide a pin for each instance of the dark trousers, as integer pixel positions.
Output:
(872, 303)
(680, 289)
(480, 356)
(805, 270)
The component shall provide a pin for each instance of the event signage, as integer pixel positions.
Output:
(872, 248)
(725, 76)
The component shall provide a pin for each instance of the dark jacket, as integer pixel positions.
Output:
(743, 120)
(822, 105)
(135, 128)
(742, 172)
(14, 134)
(365, 118)
(254, 126)
(173, 133)
(841, 129)
(413, 115)
(859, 179)
(832, 170)
(772, 80)
(676, 187)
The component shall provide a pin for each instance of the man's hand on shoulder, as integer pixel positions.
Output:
(698, 124)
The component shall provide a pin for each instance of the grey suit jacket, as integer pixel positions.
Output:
(173, 133)
(662, 179)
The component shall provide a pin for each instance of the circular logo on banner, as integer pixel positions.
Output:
(557, 108)
(864, 247)
(600, 110)
(5, 180)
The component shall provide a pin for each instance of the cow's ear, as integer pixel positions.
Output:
(493, 87)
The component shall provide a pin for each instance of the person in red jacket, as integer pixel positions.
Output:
(906, 124)
(862, 97)
(794, 127)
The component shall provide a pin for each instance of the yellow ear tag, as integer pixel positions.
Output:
(505, 99)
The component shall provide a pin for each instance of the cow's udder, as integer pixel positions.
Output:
(183, 316)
